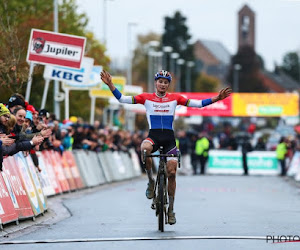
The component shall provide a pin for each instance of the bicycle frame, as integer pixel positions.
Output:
(160, 199)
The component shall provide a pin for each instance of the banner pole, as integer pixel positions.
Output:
(29, 83)
(43, 104)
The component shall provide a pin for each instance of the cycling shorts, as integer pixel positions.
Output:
(162, 137)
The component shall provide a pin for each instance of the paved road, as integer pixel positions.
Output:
(206, 207)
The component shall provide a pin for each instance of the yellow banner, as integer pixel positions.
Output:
(261, 104)
(104, 91)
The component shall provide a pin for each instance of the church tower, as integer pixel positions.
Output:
(246, 27)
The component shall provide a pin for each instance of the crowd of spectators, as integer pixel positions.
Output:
(24, 128)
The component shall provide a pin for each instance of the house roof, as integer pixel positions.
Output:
(218, 50)
(283, 80)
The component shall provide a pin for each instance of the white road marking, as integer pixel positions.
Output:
(135, 239)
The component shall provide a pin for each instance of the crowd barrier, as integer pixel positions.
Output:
(294, 167)
(24, 190)
(231, 162)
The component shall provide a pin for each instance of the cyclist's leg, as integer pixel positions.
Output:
(148, 146)
(171, 172)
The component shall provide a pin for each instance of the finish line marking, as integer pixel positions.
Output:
(19, 242)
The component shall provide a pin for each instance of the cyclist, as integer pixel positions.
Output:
(160, 108)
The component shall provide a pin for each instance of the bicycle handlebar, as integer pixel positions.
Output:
(163, 155)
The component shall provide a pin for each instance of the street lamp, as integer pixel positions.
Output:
(129, 68)
(179, 62)
(166, 50)
(150, 48)
(174, 57)
(236, 68)
(158, 55)
(104, 20)
(189, 65)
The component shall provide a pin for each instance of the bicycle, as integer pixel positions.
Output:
(160, 199)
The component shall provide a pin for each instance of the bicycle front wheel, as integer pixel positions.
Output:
(161, 203)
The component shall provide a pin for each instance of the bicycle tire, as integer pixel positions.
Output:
(161, 203)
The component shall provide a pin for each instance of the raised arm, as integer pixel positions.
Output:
(223, 93)
(106, 78)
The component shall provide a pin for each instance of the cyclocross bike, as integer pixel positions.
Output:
(160, 199)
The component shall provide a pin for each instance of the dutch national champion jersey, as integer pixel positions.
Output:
(160, 110)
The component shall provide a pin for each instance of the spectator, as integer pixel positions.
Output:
(260, 145)
(16, 101)
(201, 150)
(281, 152)
(184, 144)
(11, 146)
(246, 147)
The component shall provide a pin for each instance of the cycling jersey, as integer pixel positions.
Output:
(160, 111)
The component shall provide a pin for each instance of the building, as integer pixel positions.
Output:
(212, 58)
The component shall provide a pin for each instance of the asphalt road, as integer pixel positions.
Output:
(213, 212)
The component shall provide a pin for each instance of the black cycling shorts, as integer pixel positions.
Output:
(162, 137)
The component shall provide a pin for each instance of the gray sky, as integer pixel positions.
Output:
(277, 22)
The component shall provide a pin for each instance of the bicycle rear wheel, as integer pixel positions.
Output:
(161, 203)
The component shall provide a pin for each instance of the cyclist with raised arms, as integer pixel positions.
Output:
(160, 109)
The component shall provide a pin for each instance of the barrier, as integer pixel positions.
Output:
(111, 165)
(59, 173)
(294, 167)
(69, 158)
(48, 184)
(230, 162)
(105, 167)
(129, 171)
(22, 205)
(28, 184)
(7, 210)
(35, 179)
(86, 168)
(136, 163)
(91, 158)
(62, 163)
(23, 190)
(45, 156)
(78, 159)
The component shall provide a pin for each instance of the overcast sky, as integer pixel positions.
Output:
(277, 22)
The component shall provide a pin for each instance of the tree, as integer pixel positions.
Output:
(206, 83)
(290, 65)
(17, 18)
(248, 75)
(140, 59)
(177, 36)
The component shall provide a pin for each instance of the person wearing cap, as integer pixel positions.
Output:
(45, 115)
(15, 101)
(26, 128)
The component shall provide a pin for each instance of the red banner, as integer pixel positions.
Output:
(50, 169)
(47, 47)
(69, 158)
(59, 172)
(12, 178)
(220, 108)
(7, 209)
(67, 171)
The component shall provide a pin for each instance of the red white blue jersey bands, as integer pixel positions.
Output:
(160, 111)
